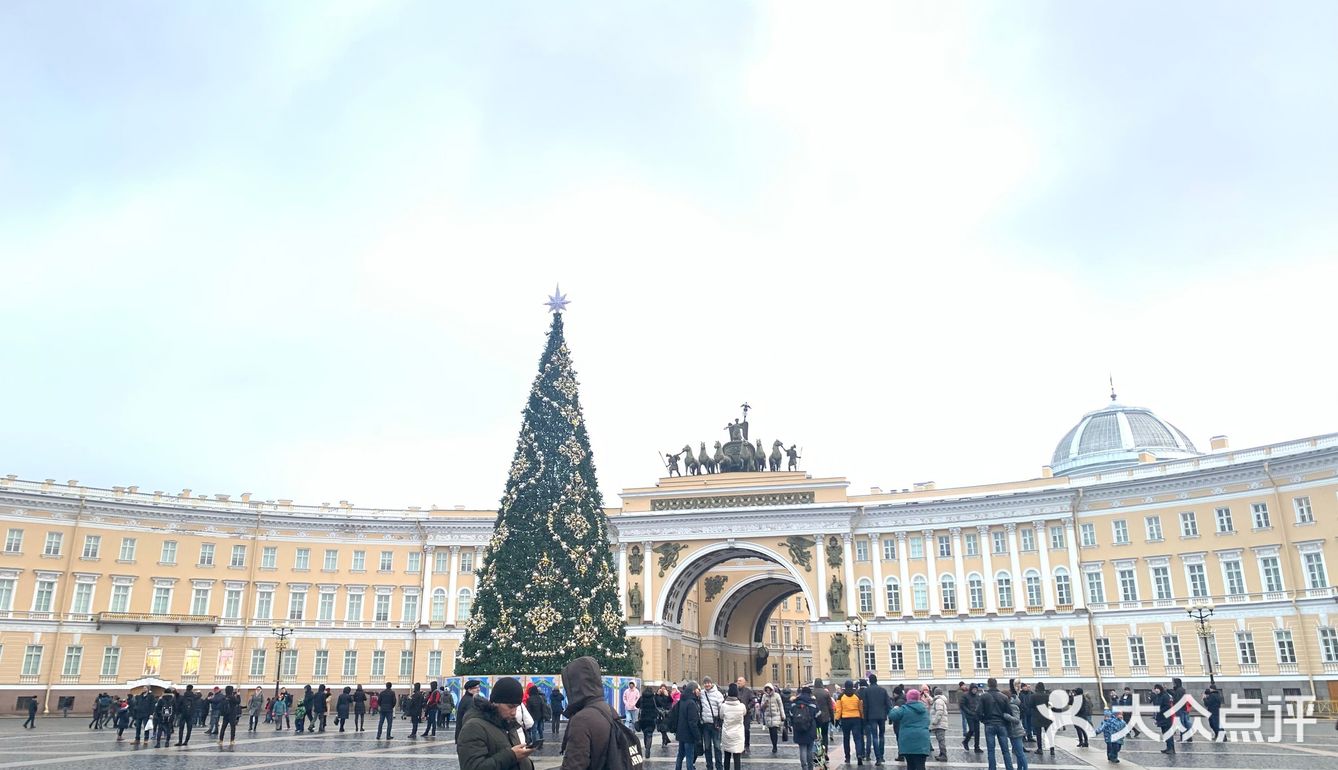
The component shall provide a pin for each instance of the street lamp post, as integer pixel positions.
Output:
(857, 627)
(798, 650)
(281, 634)
(1200, 613)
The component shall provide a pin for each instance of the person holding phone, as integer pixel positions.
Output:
(492, 739)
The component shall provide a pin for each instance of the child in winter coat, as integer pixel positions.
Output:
(1109, 728)
(300, 715)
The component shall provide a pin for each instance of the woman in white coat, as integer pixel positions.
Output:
(733, 716)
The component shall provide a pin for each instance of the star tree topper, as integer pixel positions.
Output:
(558, 302)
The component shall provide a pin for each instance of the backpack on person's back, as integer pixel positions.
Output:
(624, 747)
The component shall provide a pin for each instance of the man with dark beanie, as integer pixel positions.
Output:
(492, 739)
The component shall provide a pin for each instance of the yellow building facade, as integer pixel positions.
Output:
(1082, 576)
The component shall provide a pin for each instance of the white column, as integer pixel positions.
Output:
(879, 593)
(963, 593)
(821, 555)
(905, 575)
(647, 569)
(424, 603)
(849, 550)
(1078, 588)
(453, 584)
(1047, 576)
(931, 565)
(1013, 561)
(622, 576)
(987, 554)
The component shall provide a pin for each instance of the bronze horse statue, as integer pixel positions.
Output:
(774, 459)
(760, 457)
(690, 462)
(707, 463)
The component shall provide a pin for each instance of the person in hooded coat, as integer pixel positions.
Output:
(732, 728)
(341, 707)
(805, 736)
(913, 731)
(590, 719)
(491, 739)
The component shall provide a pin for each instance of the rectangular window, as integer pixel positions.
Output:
(410, 608)
(1138, 654)
(264, 605)
(74, 660)
(153, 661)
(6, 594)
(1057, 539)
(1272, 573)
(289, 663)
(232, 603)
(945, 546)
(350, 664)
(917, 547)
(325, 602)
(976, 589)
(162, 600)
(775, 634)
(1040, 658)
(1119, 530)
(378, 664)
(83, 598)
(466, 561)
(1234, 577)
(1245, 650)
(331, 562)
(168, 554)
(269, 557)
(1315, 574)
(92, 546)
(406, 664)
(1161, 582)
(257, 663)
(1286, 649)
(1304, 514)
(355, 608)
(127, 549)
(52, 547)
(1224, 523)
(303, 559)
(923, 658)
(359, 561)
(321, 666)
(953, 656)
(434, 663)
(14, 541)
(297, 604)
(972, 543)
(199, 603)
(1128, 585)
(1087, 532)
(225, 662)
(1010, 653)
(414, 562)
(43, 595)
(1104, 658)
(1170, 645)
(1028, 538)
(1068, 652)
(120, 598)
(238, 559)
(981, 654)
(441, 561)
(111, 661)
(1152, 524)
(1259, 515)
(191, 664)
(1189, 524)
(999, 539)
(889, 548)
(861, 550)
(381, 610)
(32, 660)
(206, 554)
(1328, 644)
(1198, 580)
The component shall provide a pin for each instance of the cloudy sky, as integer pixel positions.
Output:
(279, 248)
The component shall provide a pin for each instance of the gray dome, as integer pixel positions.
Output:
(1114, 437)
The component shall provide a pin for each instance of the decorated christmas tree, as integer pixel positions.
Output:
(547, 590)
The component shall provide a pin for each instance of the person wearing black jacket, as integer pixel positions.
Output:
(689, 727)
(229, 711)
(991, 712)
(1161, 698)
(664, 703)
(359, 708)
(164, 712)
(898, 699)
(1212, 701)
(1084, 715)
(647, 714)
(556, 700)
(466, 702)
(341, 707)
(385, 704)
(215, 709)
(1039, 722)
(970, 706)
(308, 703)
(320, 704)
(876, 705)
(413, 708)
(187, 704)
(143, 706)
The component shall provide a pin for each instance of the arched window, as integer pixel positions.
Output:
(1004, 581)
(948, 590)
(919, 593)
(976, 589)
(1063, 588)
(439, 605)
(865, 593)
(893, 589)
(1033, 580)
(463, 604)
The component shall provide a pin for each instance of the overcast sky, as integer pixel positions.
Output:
(270, 247)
